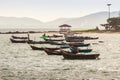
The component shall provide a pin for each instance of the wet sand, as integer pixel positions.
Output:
(20, 62)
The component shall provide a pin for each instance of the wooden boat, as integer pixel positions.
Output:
(57, 35)
(75, 45)
(18, 41)
(76, 50)
(81, 37)
(56, 43)
(90, 38)
(42, 48)
(52, 52)
(38, 42)
(69, 55)
(74, 40)
(85, 50)
(54, 36)
(80, 45)
(36, 48)
(54, 39)
(64, 43)
(16, 37)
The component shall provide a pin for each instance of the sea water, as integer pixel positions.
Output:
(19, 62)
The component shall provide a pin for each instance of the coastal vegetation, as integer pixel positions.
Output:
(88, 30)
(112, 24)
(97, 31)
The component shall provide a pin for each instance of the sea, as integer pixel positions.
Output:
(19, 62)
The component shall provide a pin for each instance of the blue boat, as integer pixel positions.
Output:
(81, 38)
(76, 50)
(75, 45)
(80, 45)
(85, 50)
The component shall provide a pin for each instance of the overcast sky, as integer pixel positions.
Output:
(47, 10)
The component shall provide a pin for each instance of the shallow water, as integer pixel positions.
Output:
(20, 62)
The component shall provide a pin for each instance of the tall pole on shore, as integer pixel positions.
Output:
(109, 10)
(119, 14)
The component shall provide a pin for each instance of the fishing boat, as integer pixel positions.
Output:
(81, 37)
(54, 36)
(85, 50)
(36, 48)
(42, 48)
(56, 43)
(53, 39)
(65, 43)
(76, 50)
(18, 37)
(74, 40)
(75, 45)
(80, 44)
(52, 52)
(57, 35)
(38, 42)
(18, 41)
(69, 55)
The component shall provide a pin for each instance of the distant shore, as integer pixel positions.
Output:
(74, 31)
(96, 31)
(26, 32)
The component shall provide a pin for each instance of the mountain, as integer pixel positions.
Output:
(15, 22)
(86, 22)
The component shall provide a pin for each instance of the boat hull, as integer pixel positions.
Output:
(42, 48)
(52, 52)
(85, 50)
(18, 41)
(68, 55)
(38, 42)
(16, 37)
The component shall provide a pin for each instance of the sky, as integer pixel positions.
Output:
(48, 10)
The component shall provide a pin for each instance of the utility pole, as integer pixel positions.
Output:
(109, 10)
(119, 14)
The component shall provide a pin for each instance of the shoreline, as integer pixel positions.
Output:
(54, 31)
(18, 32)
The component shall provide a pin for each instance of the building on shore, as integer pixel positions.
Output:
(64, 28)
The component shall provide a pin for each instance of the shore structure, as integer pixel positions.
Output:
(64, 28)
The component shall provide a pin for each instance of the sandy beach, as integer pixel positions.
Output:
(20, 62)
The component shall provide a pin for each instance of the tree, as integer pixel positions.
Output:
(114, 23)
